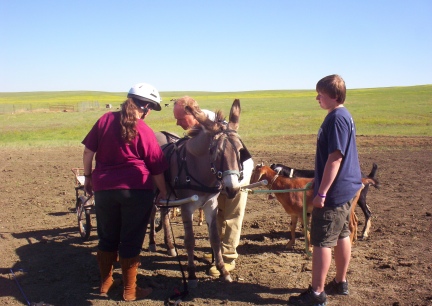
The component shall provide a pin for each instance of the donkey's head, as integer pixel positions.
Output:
(219, 140)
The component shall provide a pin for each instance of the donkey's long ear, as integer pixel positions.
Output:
(234, 116)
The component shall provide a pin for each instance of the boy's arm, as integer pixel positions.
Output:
(330, 171)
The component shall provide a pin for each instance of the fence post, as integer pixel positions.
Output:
(305, 219)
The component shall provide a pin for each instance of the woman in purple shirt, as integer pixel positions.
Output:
(128, 162)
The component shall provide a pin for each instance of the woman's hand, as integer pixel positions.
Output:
(88, 186)
(87, 162)
(161, 196)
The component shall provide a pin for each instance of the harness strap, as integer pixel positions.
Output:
(240, 164)
(180, 151)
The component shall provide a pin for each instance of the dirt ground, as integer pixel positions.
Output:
(44, 261)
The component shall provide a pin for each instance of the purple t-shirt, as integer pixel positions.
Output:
(121, 165)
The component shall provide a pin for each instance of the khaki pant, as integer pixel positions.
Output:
(230, 217)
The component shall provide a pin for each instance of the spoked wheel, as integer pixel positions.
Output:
(84, 218)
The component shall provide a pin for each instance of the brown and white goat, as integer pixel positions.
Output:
(292, 202)
(293, 172)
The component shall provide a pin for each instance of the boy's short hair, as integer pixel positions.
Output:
(334, 86)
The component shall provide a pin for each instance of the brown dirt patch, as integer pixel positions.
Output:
(39, 239)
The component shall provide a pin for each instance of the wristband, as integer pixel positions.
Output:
(87, 175)
(321, 195)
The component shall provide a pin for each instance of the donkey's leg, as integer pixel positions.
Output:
(210, 215)
(201, 217)
(189, 243)
(168, 238)
(291, 243)
(152, 234)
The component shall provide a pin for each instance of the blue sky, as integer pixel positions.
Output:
(212, 45)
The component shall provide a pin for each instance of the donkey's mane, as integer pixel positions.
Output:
(219, 119)
(194, 131)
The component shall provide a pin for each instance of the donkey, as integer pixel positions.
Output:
(205, 163)
(164, 138)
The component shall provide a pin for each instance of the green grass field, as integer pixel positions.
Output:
(393, 111)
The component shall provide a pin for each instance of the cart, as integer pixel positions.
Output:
(84, 204)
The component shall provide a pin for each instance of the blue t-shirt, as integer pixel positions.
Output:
(337, 132)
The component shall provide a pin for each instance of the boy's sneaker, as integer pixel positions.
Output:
(334, 288)
(308, 298)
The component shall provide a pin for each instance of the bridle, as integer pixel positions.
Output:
(213, 150)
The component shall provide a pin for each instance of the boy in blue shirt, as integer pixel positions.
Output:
(337, 180)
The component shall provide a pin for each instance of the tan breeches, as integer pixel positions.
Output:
(229, 220)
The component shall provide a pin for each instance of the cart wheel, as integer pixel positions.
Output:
(84, 218)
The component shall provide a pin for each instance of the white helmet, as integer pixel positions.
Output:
(146, 93)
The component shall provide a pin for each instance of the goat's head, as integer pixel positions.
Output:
(367, 181)
(262, 172)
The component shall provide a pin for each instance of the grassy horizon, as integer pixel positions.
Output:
(70, 97)
(391, 111)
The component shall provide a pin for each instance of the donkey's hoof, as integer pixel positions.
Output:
(172, 252)
(227, 278)
(290, 245)
(193, 283)
(152, 247)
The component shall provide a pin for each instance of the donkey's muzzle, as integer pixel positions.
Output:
(232, 192)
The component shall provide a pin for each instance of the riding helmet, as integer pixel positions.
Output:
(143, 92)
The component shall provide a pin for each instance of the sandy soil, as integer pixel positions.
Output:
(44, 261)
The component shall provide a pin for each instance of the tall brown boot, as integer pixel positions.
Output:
(129, 270)
(106, 261)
